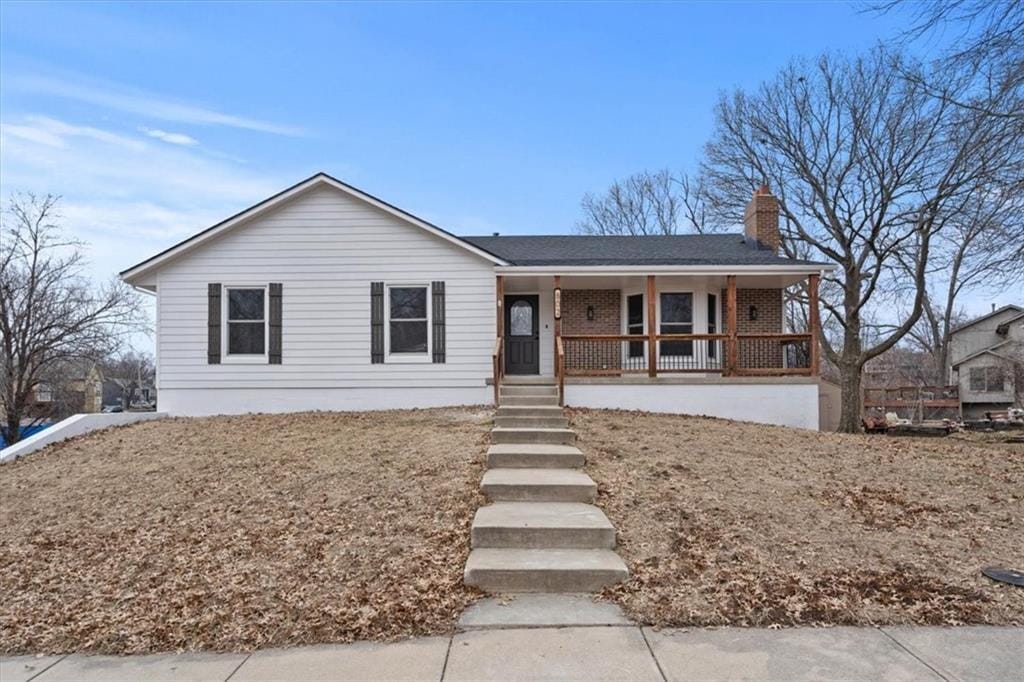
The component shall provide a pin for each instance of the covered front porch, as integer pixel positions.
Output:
(671, 326)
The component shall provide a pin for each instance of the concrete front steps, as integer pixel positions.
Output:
(529, 400)
(544, 570)
(542, 525)
(534, 456)
(540, 534)
(538, 485)
(536, 422)
(521, 435)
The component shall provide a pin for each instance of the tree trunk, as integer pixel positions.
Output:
(850, 360)
(851, 405)
(12, 427)
(941, 360)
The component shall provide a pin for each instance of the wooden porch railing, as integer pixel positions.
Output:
(618, 354)
(730, 354)
(498, 367)
(773, 354)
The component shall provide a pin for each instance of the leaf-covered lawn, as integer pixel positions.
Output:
(231, 533)
(733, 523)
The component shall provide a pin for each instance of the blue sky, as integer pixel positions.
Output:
(154, 121)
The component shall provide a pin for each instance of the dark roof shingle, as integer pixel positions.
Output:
(684, 249)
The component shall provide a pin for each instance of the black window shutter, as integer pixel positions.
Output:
(437, 315)
(275, 324)
(376, 322)
(213, 325)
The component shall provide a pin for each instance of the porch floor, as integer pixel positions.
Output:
(528, 379)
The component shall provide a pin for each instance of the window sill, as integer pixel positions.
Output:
(244, 360)
(410, 359)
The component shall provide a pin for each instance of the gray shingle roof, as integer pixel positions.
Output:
(684, 249)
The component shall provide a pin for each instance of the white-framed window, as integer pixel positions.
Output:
(245, 330)
(407, 322)
(676, 318)
(44, 394)
(712, 313)
(635, 324)
(989, 379)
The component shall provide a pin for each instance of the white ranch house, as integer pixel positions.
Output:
(324, 297)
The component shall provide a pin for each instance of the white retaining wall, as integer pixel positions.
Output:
(74, 426)
(778, 403)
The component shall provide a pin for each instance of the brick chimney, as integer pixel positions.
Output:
(761, 220)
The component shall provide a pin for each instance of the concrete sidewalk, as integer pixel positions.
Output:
(623, 652)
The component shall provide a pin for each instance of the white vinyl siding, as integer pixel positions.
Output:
(325, 247)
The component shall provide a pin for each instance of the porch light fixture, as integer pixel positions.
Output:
(558, 303)
(590, 312)
(753, 313)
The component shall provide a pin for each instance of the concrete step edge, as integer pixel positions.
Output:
(541, 516)
(544, 570)
(528, 401)
(540, 476)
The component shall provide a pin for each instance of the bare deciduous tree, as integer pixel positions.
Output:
(987, 47)
(868, 167)
(931, 336)
(647, 204)
(51, 314)
(977, 251)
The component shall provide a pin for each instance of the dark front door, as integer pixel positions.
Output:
(522, 335)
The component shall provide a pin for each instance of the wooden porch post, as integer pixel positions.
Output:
(815, 322)
(730, 308)
(652, 342)
(558, 322)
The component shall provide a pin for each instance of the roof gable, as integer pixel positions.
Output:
(994, 313)
(1004, 326)
(282, 197)
(991, 350)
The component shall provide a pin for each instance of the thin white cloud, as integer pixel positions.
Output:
(143, 104)
(54, 133)
(137, 219)
(30, 133)
(170, 138)
(128, 197)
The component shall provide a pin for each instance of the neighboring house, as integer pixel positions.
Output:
(40, 401)
(987, 361)
(118, 392)
(77, 389)
(91, 388)
(325, 297)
